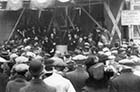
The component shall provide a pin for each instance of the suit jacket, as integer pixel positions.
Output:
(77, 78)
(126, 82)
(16, 84)
(37, 85)
(93, 85)
(3, 81)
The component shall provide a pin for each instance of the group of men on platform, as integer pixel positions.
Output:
(73, 38)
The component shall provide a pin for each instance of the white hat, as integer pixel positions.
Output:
(21, 67)
(127, 63)
(13, 56)
(38, 57)
(100, 44)
(27, 48)
(21, 59)
(86, 44)
(114, 51)
(31, 54)
(79, 57)
(106, 49)
(111, 57)
(100, 52)
(107, 53)
(3, 60)
(135, 59)
(58, 61)
(124, 45)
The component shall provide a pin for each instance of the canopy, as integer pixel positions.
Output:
(43, 4)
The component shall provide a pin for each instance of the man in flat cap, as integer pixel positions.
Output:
(79, 75)
(98, 78)
(20, 80)
(127, 81)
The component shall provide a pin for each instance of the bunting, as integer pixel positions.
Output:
(41, 4)
(14, 4)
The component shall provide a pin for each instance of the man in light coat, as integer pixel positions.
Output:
(57, 80)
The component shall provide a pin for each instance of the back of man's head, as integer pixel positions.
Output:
(35, 67)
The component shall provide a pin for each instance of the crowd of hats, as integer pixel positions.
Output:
(26, 58)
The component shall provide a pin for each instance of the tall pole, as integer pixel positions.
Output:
(67, 13)
(18, 20)
(66, 20)
(52, 20)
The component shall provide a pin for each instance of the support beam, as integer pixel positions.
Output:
(138, 27)
(39, 13)
(91, 18)
(51, 22)
(71, 23)
(114, 20)
(15, 26)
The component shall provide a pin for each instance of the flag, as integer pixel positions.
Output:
(41, 4)
(14, 4)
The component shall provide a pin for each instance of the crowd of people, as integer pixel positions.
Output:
(47, 40)
(87, 66)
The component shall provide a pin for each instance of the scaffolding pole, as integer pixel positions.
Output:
(91, 18)
(18, 20)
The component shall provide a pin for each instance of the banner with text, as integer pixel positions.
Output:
(130, 17)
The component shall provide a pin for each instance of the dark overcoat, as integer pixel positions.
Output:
(77, 78)
(127, 81)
